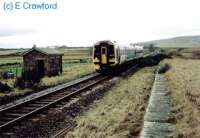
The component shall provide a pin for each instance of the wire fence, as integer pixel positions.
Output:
(10, 71)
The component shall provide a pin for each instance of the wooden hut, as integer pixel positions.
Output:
(43, 61)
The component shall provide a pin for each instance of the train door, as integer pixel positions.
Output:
(103, 55)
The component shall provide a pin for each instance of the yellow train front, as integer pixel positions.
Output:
(108, 55)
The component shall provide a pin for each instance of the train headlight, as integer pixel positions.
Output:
(97, 67)
(96, 60)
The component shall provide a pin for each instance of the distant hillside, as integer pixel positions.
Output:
(183, 41)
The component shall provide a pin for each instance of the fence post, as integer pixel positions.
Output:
(16, 73)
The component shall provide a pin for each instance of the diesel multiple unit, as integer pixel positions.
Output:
(108, 55)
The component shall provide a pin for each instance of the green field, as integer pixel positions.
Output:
(10, 51)
(76, 63)
(11, 60)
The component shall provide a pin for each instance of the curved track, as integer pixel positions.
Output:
(63, 132)
(12, 115)
(56, 97)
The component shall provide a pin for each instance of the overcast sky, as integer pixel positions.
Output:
(83, 22)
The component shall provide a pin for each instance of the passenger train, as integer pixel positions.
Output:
(109, 55)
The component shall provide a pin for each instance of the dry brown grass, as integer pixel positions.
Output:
(185, 53)
(184, 86)
(120, 113)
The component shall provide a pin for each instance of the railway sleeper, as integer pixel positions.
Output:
(7, 119)
(34, 106)
(61, 104)
(19, 111)
(2, 122)
(27, 108)
(13, 114)
(7, 134)
(46, 100)
(43, 102)
(55, 98)
(58, 96)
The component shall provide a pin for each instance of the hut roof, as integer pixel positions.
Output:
(46, 51)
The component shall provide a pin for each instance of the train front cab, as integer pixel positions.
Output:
(104, 57)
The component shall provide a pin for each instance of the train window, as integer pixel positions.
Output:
(96, 51)
(117, 52)
(103, 50)
(111, 50)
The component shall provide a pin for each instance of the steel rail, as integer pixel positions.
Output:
(49, 104)
(46, 94)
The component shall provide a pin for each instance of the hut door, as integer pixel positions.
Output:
(40, 67)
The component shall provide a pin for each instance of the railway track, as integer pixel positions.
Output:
(65, 130)
(13, 115)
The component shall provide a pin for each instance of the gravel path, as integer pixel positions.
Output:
(158, 116)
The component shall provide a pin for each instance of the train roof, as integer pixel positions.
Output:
(105, 41)
(120, 45)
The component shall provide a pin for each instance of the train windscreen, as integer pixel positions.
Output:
(111, 51)
(97, 51)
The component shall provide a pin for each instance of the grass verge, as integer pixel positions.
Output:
(120, 112)
(183, 78)
(71, 72)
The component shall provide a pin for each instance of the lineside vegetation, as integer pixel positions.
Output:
(120, 112)
(183, 79)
